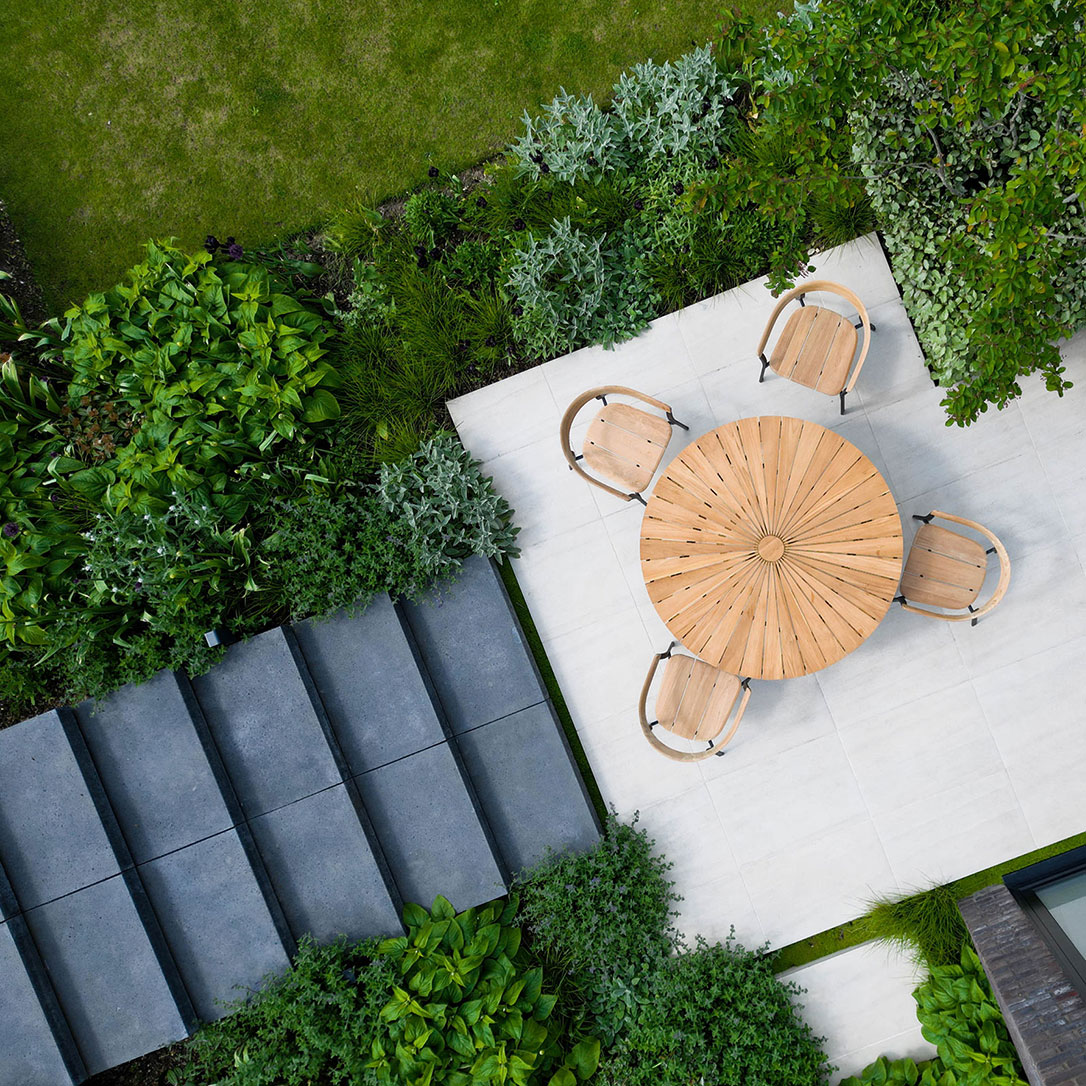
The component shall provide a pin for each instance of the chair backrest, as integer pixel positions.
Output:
(813, 286)
(947, 569)
(695, 701)
(600, 460)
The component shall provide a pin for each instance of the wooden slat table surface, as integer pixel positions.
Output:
(771, 547)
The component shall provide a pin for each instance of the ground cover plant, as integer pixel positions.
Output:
(593, 223)
(578, 976)
(257, 123)
(170, 463)
(967, 126)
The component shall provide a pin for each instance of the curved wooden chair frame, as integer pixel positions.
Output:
(716, 744)
(974, 614)
(810, 287)
(573, 459)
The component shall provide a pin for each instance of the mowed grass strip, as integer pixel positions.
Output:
(120, 122)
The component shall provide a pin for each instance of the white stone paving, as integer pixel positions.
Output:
(933, 750)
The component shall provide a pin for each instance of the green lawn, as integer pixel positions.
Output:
(123, 122)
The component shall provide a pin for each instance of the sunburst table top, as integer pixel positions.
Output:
(771, 547)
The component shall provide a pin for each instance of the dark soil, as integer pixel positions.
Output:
(22, 286)
(149, 1070)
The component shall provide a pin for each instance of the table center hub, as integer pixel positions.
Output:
(770, 548)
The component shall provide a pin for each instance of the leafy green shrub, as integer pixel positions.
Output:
(334, 548)
(220, 365)
(603, 920)
(431, 216)
(717, 1014)
(959, 1015)
(450, 509)
(466, 1010)
(927, 924)
(315, 1023)
(574, 290)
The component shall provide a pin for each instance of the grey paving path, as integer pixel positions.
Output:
(165, 848)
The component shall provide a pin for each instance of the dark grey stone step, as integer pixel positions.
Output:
(430, 830)
(9, 906)
(473, 648)
(36, 1046)
(106, 974)
(163, 775)
(366, 672)
(57, 832)
(221, 923)
(323, 868)
(258, 707)
(529, 786)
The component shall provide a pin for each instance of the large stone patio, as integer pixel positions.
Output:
(933, 750)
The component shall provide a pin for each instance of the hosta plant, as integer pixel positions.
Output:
(465, 1009)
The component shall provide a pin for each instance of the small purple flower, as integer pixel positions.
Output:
(544, 168)
(10, 530)
(518, 310)
(537, 158)
(420, 250)
(229, 241)
(234, 251)
(480, 201)
(593, 161)
(433, 171)
(678, 188)
(639, 204)
(519, 223)
(713, 163)
(435, 253)
(490, 341)
(138, 586)
(211, 243)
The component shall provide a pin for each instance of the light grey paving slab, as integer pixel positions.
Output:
(263, 720)
(53, 839)
(726, 328)
(895, 365)
(323, 869)
(1013, 499)
(9, 906)
(36, 1046)
(430, 830)
(1034, 711)
(151, 748)
(1064, 459)
(369, 682)
(859, 265)
(1053, 419)
(529, 786)
(106, 974)
(473, 649)
(712, 909)
(217, 920)
(923, 453)
(1045, 606)
(508, 414)
(860, 1000)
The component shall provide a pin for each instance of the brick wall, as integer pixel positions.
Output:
(1045, 1015)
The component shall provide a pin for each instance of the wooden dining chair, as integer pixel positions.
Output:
(624, 443)
(694, 703)
(818, 345)
(946, 569)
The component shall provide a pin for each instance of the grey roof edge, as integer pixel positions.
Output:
(211, 749)
(47, 999)
(95, 788)
(161, 948)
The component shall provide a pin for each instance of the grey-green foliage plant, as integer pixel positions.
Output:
(657, 110)
(959, 1015)
(313, 1024)
(450, 509)
(467, 1010)
(575, 289)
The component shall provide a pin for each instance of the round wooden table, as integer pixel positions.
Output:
(771, 547)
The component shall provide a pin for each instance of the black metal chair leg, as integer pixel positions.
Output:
(926, 519)
(765, 366)
(675, 422)
(843, 394)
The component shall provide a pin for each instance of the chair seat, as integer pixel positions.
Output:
(695, 699)
(626, 445)
(945, 569)
(815, 349)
